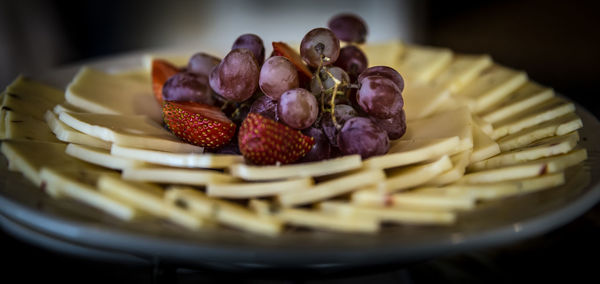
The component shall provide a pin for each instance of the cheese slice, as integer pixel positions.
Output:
(422, 100)
(257, 189)
(383, 53)
(29, 105)
(459, 164)
(21, 126)
(406, 152)
(462, 71)
(330, 188)
(540, 149)
(389, 214)
(558, 126)
(31, 97)
(187, 160)
(530, 169)
(28, 157)
(226, 213)
(140, 75)
(70, 186)
(65, 106)
(150, 199)
(525, 97)
(176, 175)
(457, 122)
(483, 146)
(101, 157)
(328, 221)
(311, 169)
(492, 86)
(68, 134)
(548, 110)
(483, 125)
(127, 130)
(420, 64)
(99, 92)
(407, 177)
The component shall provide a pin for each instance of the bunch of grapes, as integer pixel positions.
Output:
(327, 91)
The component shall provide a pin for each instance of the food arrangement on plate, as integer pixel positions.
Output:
(335, 135)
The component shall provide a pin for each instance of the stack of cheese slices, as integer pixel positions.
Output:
(477, 131)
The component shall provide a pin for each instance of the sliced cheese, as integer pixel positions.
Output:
(420, 64)
(462, 70)
(460, 162)
(422, 100)
(406, 152)
(187, 160)
(492, 86)
(176, 175)
(257, 189)
(30, 97)
(101, 157)
(483, 146)
(21, 126)
(328, 221)
(525, 97)
(407, 177)
(68, 134)
(65, 106)
(311, 169)
(558, 126)
(99, 92)
(383, 53)
(390, 214)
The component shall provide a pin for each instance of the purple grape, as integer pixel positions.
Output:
(362, 136)
(298, 108)
(384, 71)
(320, 45)
(187, 87)
(352, 60)
(394, 126)
(266, 107)
(321, 150)
(236, 76)
(342, 114)
(349, 28)
(380, 97)
(328, 83)
(252, 42)
(202, 64)
(277, 75)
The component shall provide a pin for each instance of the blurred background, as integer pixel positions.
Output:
(556, 42)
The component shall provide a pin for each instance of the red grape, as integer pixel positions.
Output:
(187, 87)
(349, 28)
(298, 108)
(362, 136)
(236, 77)
(380, 97)
(252, 42)
(321, 150)
(266, 107)
(277, 75)
(352, 60)
(320, 45)
(202, 64)
(384, 71)
(394, 126)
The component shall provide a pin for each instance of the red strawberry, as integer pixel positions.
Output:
(161, 71)
(264, 141)
(198, 124)
(282, 49)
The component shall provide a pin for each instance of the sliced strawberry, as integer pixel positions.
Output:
(198, 124)
(264, 141)
(282, 49)
(161, 71)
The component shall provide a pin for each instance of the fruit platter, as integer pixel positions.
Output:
(331, 152)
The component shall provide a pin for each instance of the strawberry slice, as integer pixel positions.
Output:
(282, 49)
(264, 141)
(161, 71)
(198, 124)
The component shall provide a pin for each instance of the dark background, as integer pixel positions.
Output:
(556, 42)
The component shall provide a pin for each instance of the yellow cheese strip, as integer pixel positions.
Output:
(543, 148)
(68, 134)
(492, 86)
(406, 152)
(136, 74)
(422, 200)
(548, 110)
(527, 96)
(257, 189)
(462, 71)
(483, 125)
(28, 157)
(65, 106)
(383, 53)
(68, 186)
(188, 160)
(176, 176)
(30, 97)
(226, 213)
(21, 126)
(534, 168)
(459, 164)
(311, 169)
(148, 198)
(331, 188)
(327, 221)
(389, 214)
(420, 64)
(407, 177)
(99, 92)
(101, 157)
(457, 122)
(555, 127)
(483, 146)
(422, 100)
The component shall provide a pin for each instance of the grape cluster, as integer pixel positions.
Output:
(347, 107)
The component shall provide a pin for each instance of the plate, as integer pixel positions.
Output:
(70, 227)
